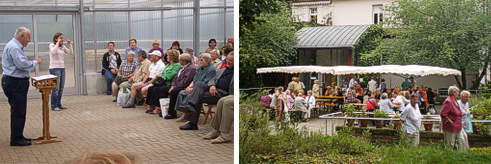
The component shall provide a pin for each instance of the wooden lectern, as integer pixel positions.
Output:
(45, 84)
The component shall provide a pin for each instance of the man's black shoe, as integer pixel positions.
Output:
(160, 114)
(187, 109)
(168, 116)
(27, 139)
(21, 143)
(109, 93)
(141, 102)
(189, 126)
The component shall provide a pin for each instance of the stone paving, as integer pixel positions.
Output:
(96, 123)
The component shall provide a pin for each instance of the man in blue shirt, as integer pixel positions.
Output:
(15, 83)
(133, 48)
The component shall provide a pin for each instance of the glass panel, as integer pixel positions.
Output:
(89, 41)
(208, 3)
(178, 26)
(10, 23)
(109, 27)
(107, 3)
(47, 26)
(229, 24)
(212, 26)
(230, 3)
(146, 27)
(145, 3)
(178, 3)
(71, 3)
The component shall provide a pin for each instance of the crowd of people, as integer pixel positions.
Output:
(187, 80)
(455, 114)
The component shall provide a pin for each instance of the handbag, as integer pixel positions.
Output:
(159, 82)
(118, 81)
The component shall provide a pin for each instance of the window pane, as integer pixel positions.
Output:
(145, 28)
(178, 3)
(229, 24)
(178, 26)
(109, 27)
(89, 41)
(208, 3)
(145, 4)
(212, 26)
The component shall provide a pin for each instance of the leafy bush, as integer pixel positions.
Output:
(349, 111)
(380, 113)
(265, 141)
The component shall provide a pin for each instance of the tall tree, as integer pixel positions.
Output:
(447, 33)
(267, 42)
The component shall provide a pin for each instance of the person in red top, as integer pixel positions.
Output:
(371, 102)
(226, 50)
(451, 116)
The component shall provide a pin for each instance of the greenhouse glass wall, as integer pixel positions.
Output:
(91, 27)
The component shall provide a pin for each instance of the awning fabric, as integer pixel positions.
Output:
(413, 70)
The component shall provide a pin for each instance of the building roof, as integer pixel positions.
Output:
(343, 36)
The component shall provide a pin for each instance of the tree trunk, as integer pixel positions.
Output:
(458, 81)
(464, 81)
(483, 73)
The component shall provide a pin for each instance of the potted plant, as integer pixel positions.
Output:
(397, 123)
(350, 112)
(381, 114)
(364, 122)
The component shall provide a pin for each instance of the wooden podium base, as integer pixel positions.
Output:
(45, 140)
(45, 84)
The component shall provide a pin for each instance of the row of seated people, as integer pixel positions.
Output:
(181, 81)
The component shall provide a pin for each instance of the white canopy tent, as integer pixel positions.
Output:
(410, 70)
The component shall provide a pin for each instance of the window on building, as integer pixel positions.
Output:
(313, 14)
(378, 15)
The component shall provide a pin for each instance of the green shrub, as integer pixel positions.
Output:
(271, 141)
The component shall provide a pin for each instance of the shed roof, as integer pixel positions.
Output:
(342, 36)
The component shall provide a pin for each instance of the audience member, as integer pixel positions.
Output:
(221, 85)
(111, 61)
(226, 51)
(217, 63)
(184, 77)
(132, 48)
(155, 47)
(170, 71)
(212, 43)
(156, 67)
(223, 121)
(194, 59)
(204, 73)
(126, 71)
(106, 157)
